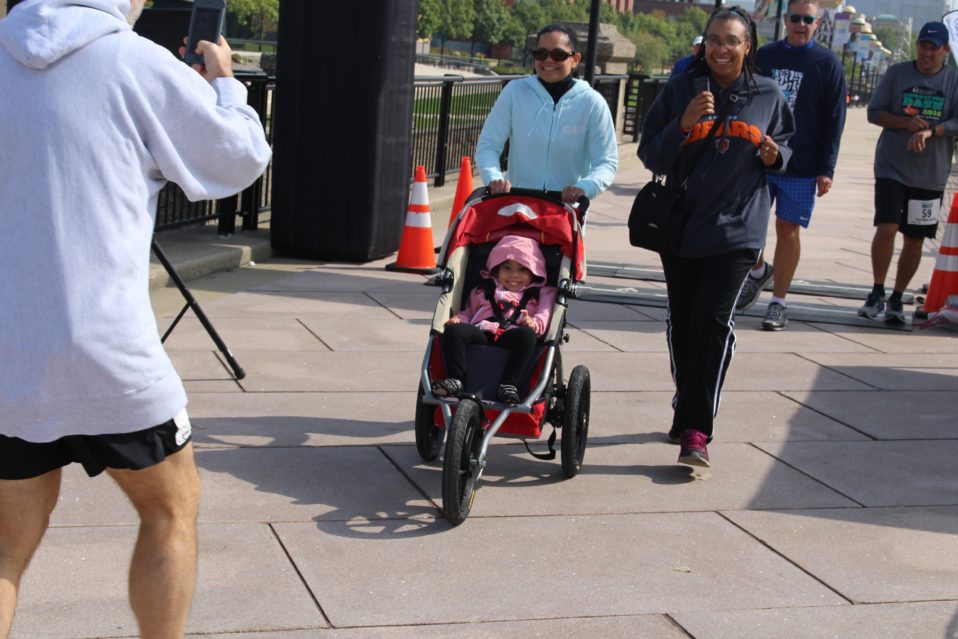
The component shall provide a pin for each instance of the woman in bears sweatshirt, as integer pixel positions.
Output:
(726, 203)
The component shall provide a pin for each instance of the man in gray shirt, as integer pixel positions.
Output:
(916, 104)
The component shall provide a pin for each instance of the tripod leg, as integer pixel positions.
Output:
(191, 302)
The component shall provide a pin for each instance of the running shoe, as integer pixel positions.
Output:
(894, 312)
(752, 288)
(873, 307)
(694, 452)
(776, 318)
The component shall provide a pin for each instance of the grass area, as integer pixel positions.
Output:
(471, 106)
(253, 45)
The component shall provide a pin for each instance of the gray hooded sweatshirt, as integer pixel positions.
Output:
(95, 120)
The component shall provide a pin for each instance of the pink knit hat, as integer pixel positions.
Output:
(521, 249)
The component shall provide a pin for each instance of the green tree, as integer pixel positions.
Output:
(650, 52)
(489, 25)
(254, 14)
(562, 11)
(514, 34)
(456, 21)
(244, 10)
(430, 18)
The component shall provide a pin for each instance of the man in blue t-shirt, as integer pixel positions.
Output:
(683, 63)
(813, 82)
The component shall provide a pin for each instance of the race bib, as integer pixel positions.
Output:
(923, 212)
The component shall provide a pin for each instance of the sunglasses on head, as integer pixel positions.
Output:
(795, 18)
(559, 55)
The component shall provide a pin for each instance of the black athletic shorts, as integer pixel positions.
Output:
(21, 459)
(891, 207)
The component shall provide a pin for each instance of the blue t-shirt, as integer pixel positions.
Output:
(812, 80)
(681, 65)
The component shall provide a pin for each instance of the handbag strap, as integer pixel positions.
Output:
(719, 121)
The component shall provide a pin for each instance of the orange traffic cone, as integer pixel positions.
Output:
(463, 188)
(944, 280)
(415, 249)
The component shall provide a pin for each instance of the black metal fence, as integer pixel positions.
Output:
(174, 210)
(448, 115)
(640, 92)
(862, 82)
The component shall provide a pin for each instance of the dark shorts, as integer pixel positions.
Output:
(891, 207)
(21, 459)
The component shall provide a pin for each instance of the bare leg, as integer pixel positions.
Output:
(908, 262)
(883, 247)
(788, 250)
(163, 570)
(25, 505)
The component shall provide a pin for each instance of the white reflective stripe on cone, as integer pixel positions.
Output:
(947, 263)
(418, 220)
(419, 193)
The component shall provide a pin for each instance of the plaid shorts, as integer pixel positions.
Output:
(794, 198)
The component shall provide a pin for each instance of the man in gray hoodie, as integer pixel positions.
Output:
(95, 121)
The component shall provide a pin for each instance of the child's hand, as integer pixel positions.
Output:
(525, 320)
(453, 320)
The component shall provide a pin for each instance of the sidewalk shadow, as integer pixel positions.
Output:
(865, 471)
(356, 485)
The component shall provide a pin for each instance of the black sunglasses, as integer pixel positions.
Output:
(794, 18)
(559, 55)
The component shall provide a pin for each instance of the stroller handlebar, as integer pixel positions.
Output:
(553, 196)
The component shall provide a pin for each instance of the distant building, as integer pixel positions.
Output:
(672, 7)
(920, 11)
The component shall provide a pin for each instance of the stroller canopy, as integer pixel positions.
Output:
(545, 221)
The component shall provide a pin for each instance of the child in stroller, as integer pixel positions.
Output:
(509, 309)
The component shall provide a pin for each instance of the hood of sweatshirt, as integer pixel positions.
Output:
(37, 33)
(521, 249)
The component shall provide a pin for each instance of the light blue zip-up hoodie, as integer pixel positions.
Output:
(553, 145)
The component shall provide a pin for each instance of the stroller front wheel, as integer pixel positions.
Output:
(461, 466)
(575, 420)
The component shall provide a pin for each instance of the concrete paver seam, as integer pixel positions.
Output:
(787, 559)
(302, 578)
(802, 472)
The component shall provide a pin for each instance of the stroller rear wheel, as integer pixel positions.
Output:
(461, 466)
(575, 420)
(428, 434)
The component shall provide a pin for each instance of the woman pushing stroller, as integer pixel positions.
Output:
(510, 309)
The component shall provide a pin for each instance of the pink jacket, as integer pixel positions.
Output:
(525, 251)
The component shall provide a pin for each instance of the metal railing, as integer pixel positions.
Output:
(448, 114)
(862, 83)
(174, 210)
(640, 92)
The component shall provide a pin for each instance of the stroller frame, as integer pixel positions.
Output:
(464, 418)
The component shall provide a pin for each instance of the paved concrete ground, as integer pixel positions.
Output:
(831, 511)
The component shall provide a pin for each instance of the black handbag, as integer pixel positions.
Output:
(658, 217)
(658, 213)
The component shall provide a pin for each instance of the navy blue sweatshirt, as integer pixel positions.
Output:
(813, 83)
(727, 199)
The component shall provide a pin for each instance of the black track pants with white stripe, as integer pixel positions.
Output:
(699, 329)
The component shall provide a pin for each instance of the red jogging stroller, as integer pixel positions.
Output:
(475, 417)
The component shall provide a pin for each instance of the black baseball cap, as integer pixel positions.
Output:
(934, 32)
